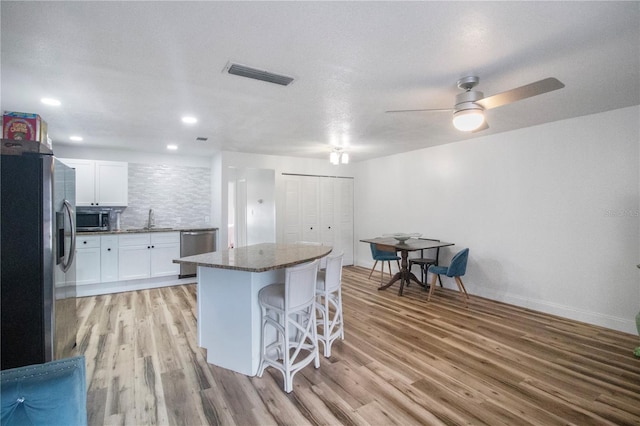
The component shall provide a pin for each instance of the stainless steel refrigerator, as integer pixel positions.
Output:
(37, 278)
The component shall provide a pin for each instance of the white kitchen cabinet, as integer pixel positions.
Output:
(319, 209)
(148, 255)
(100, 183)
(134, 259)
(87, 260)
(108, 258)
(165, 246)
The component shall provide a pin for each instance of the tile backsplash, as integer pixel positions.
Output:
(179, 196)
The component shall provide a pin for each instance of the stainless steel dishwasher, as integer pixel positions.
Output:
(195, 242)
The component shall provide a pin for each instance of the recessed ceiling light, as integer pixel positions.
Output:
(50, 101)
(76, 138)
(172, 147)
(189, 120)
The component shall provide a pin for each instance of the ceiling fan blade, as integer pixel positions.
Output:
(422, 110)
(539, 87)
(484, 126)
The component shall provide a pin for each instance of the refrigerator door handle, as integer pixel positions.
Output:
(72, 250)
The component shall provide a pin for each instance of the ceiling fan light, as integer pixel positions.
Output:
(468, 120)
(345, 158)
(334, 158)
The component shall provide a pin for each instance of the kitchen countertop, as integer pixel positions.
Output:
(142, 230)
(258, 257)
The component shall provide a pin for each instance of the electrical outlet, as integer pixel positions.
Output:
(206, 219)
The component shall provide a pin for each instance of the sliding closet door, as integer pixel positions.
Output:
(319, 209)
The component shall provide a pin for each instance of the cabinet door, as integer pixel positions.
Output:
(87, 260)
(165, 246)
(162, 256)
(109, 258)
(134, 262)
(85, 180)
(112, 183)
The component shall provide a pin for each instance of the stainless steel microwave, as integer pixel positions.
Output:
(94, 220)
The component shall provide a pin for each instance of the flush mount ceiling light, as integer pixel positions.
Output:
(189, 120)
(337, 156)
(75, 138)
(50, 101)
(257, 74)
(172, 147)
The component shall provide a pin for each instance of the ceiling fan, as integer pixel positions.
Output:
(468, 111)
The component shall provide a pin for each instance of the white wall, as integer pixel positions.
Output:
(550, 213)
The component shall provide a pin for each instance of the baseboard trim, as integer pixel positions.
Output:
(626, 325)
(130, 285)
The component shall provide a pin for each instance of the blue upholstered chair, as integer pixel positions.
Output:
(53, 393)
(456, 269)
(383, 256)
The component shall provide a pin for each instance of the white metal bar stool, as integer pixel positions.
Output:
(290, 309)
(329, 300)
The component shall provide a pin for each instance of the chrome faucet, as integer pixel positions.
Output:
(152, 220)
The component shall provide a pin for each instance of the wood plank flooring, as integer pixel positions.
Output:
(403, 361)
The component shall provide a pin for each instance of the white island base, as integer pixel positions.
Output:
(229, 316)
(229, 321)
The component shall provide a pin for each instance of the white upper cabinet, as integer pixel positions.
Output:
(100, 183)
(112, 183)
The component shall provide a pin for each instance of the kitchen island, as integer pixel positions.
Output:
(228, 309)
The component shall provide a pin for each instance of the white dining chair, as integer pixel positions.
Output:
(289, 308)
(329, 302)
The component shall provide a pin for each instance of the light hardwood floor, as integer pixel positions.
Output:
(403, 361)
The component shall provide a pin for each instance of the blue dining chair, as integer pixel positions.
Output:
(456, 269)
(383, 256)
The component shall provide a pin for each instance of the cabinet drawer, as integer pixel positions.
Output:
(134, 240)
(109, 241)
(83, 241)
(165, 237)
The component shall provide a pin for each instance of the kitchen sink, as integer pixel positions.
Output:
(148, 229)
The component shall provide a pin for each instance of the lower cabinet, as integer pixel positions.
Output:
(148, 255)
(87, 260)
(111, 258)
(108, 258)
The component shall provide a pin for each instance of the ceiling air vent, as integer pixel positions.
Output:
(202, 139)
(257, 74)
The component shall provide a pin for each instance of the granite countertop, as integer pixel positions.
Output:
(143, 230)
(258, 257)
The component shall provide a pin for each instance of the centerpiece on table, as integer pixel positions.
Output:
(402, 237)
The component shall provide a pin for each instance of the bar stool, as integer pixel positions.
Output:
(289, 308)
(329, 295)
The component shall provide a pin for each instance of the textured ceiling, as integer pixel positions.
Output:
(126, 72)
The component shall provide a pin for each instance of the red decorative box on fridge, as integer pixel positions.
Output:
(24, 126)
